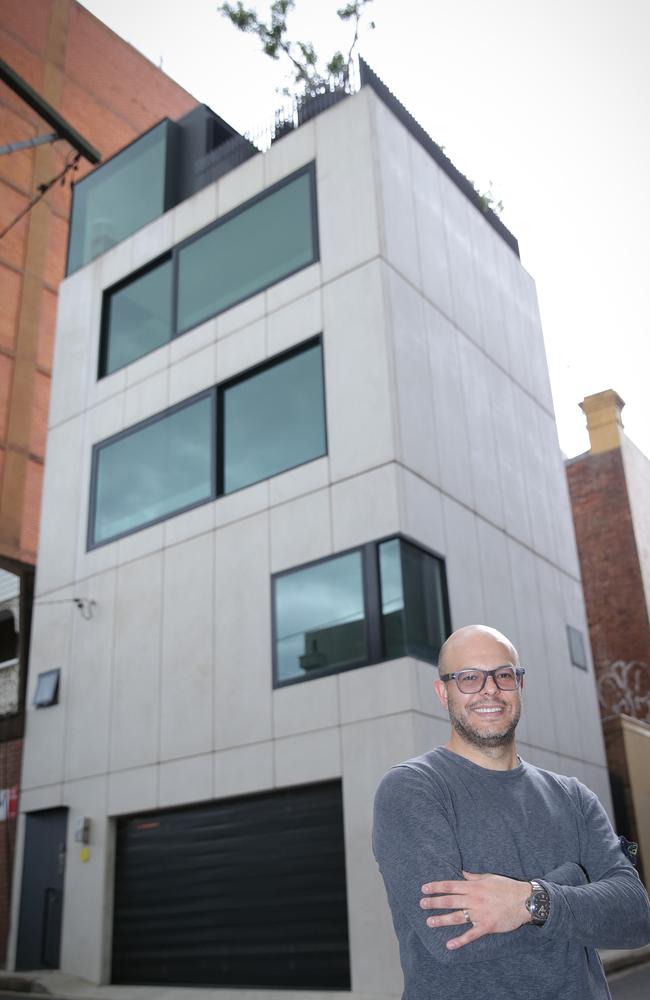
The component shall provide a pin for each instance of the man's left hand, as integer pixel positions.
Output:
(495, 905)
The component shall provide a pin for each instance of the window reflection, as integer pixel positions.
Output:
(138, 318)
(158, 469)
(119, 198)
(320, 618)
(274, 420)
(382, 601)
(412, 601)
(258, 246)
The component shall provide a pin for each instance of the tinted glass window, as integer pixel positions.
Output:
(412, 601)
(274, 419)
(156, 470)
(247, 252)
(320, 618)
(138, 318)
(118, 198)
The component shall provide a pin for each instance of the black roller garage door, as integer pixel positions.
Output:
(243, 892)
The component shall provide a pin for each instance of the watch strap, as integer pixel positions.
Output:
(538, 904)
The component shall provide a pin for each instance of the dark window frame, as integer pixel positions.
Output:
(174, 252)
(310, 170)
(134, 429)
(444, 595)
(234, 380)
(371, 583)
(322, 671)
(215, 393)
(107, 296)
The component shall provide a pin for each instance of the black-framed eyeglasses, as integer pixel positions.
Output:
(472, 681)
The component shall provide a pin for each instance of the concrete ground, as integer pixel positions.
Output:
(628, 975)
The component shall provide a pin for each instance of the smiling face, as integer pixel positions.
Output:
(483, 724)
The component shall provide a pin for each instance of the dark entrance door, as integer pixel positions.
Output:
(41, 900)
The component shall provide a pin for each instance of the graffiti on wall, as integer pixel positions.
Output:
(624, 689)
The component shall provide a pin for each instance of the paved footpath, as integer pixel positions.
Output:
(630, 984)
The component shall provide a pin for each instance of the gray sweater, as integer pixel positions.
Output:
(440, 814)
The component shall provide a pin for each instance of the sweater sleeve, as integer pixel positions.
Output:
(612, 910)
(413, 842)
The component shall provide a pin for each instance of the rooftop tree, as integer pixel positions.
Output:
(310, 77)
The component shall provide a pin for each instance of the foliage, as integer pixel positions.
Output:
(489, 202)
(488, 198)
(309, 79)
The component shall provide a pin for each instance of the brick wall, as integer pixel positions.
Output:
(612, 581)
(110, 94)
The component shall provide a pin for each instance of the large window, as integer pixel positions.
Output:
(247, 251)
(375, 603)
(270, 419)
(119, 198)
(273, 420)
(259, 243)
(158, 468)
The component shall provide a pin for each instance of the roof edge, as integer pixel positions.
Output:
(369, 78)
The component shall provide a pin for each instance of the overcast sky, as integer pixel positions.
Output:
(548, 99)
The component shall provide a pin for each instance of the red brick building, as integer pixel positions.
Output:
(610, 497)
(110, 94)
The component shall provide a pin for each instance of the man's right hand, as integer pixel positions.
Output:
(495, 905)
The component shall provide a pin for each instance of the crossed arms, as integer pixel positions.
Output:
(596, 900)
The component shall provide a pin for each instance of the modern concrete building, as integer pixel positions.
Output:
(300, 428)
(610, 498)
(110, 93)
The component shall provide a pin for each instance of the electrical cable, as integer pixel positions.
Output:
(42, 191)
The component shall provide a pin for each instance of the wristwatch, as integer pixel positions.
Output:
(538, 904)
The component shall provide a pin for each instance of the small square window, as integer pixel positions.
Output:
(47, 688)
(577, 647)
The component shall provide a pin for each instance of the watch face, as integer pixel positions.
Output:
(539, 906)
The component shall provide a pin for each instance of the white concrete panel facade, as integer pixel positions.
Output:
(437, 430)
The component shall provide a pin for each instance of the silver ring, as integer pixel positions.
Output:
(468, 919)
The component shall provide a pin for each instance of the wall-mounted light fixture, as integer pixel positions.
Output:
(85, 604)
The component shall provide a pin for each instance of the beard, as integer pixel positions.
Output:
(484, 738)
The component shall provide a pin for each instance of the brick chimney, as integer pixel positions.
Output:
(603, 413)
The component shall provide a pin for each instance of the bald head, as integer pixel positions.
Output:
(464, 647)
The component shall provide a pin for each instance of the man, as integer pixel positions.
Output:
(502, 879)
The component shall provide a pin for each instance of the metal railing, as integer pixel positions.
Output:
(289, 116)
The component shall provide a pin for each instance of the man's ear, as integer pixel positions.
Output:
(441, 691)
